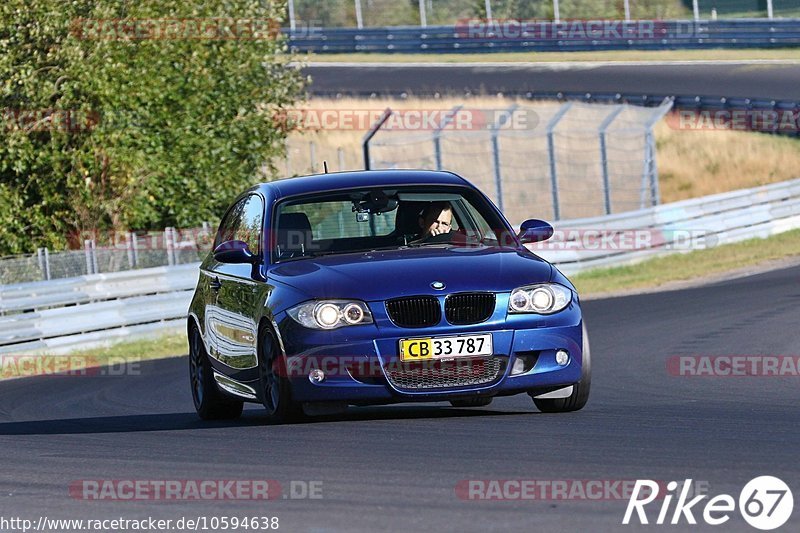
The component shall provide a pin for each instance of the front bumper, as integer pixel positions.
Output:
(356, 360)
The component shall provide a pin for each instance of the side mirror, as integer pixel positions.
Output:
(534, 230)
(235, 252)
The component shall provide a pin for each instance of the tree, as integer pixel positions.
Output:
(121, 115)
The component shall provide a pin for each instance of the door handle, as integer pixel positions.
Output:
(216, 284)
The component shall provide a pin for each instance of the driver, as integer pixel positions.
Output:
(436, 219)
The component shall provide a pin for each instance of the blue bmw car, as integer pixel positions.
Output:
(376, 287)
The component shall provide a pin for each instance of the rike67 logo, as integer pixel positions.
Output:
(765, 503)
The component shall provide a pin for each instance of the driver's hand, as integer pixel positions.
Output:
(438, 231)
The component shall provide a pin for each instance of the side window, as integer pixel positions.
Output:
(243, 223)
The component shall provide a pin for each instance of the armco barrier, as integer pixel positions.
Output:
(673, 34)
(712, 220)
(62, 315)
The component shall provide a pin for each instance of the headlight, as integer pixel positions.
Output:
(544, 299)
(331, 314)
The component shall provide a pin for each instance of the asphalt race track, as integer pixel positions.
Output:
(767, 80)
(397, 467)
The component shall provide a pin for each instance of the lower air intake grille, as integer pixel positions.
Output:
(414, 311)
(445, 374)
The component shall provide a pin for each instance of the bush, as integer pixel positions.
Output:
(102, 130)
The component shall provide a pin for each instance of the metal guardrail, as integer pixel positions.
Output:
(675, 227)
(62, 315)
(552, 36)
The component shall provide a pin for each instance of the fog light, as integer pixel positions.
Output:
(562, 357)
(316, 376)
(519, 366)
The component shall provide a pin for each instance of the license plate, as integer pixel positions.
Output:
(445, 347)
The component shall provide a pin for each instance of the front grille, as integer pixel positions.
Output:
(443, 374)
(469, 308)
(414, 311)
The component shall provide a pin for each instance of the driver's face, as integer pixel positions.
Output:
(436, 223)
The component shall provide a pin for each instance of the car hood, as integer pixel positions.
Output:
(379, 275)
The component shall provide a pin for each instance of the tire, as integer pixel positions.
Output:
(276, 390)
(580, 390)
(472, 402)
(209, 402)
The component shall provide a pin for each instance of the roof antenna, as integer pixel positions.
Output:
(325, 165)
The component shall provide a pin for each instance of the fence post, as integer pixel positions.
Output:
(47, 275)
(87, 252)
(43, 267)
(650, 171)
(655, 194)
(132, 255)
(292, 22)
(340, 154)
(498, 178)
(437, 133)
(359, 18)
(169, 245)
(646, 170)
(499, 122)
(423, 19)
(551, 155)
(312, 152)
(371, 133)
(288, 159)
(94, 257)
(604, 156)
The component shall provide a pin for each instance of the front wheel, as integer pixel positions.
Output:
(276, 392)
(580, 390)
(209, 402)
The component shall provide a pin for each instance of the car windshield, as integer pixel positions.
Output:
(383, 219)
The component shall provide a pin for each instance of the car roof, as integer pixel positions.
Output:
(363, 178)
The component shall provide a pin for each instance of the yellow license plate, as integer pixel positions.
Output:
(445, 347)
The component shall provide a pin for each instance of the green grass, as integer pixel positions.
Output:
(682, 267)
(126, 352)
(171, 345)
(548, 57)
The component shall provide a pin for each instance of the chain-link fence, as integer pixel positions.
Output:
(312, 15)
(112, 253)
(725, 9)
(554, 161)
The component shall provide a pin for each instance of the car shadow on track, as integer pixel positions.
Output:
(250, 417)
